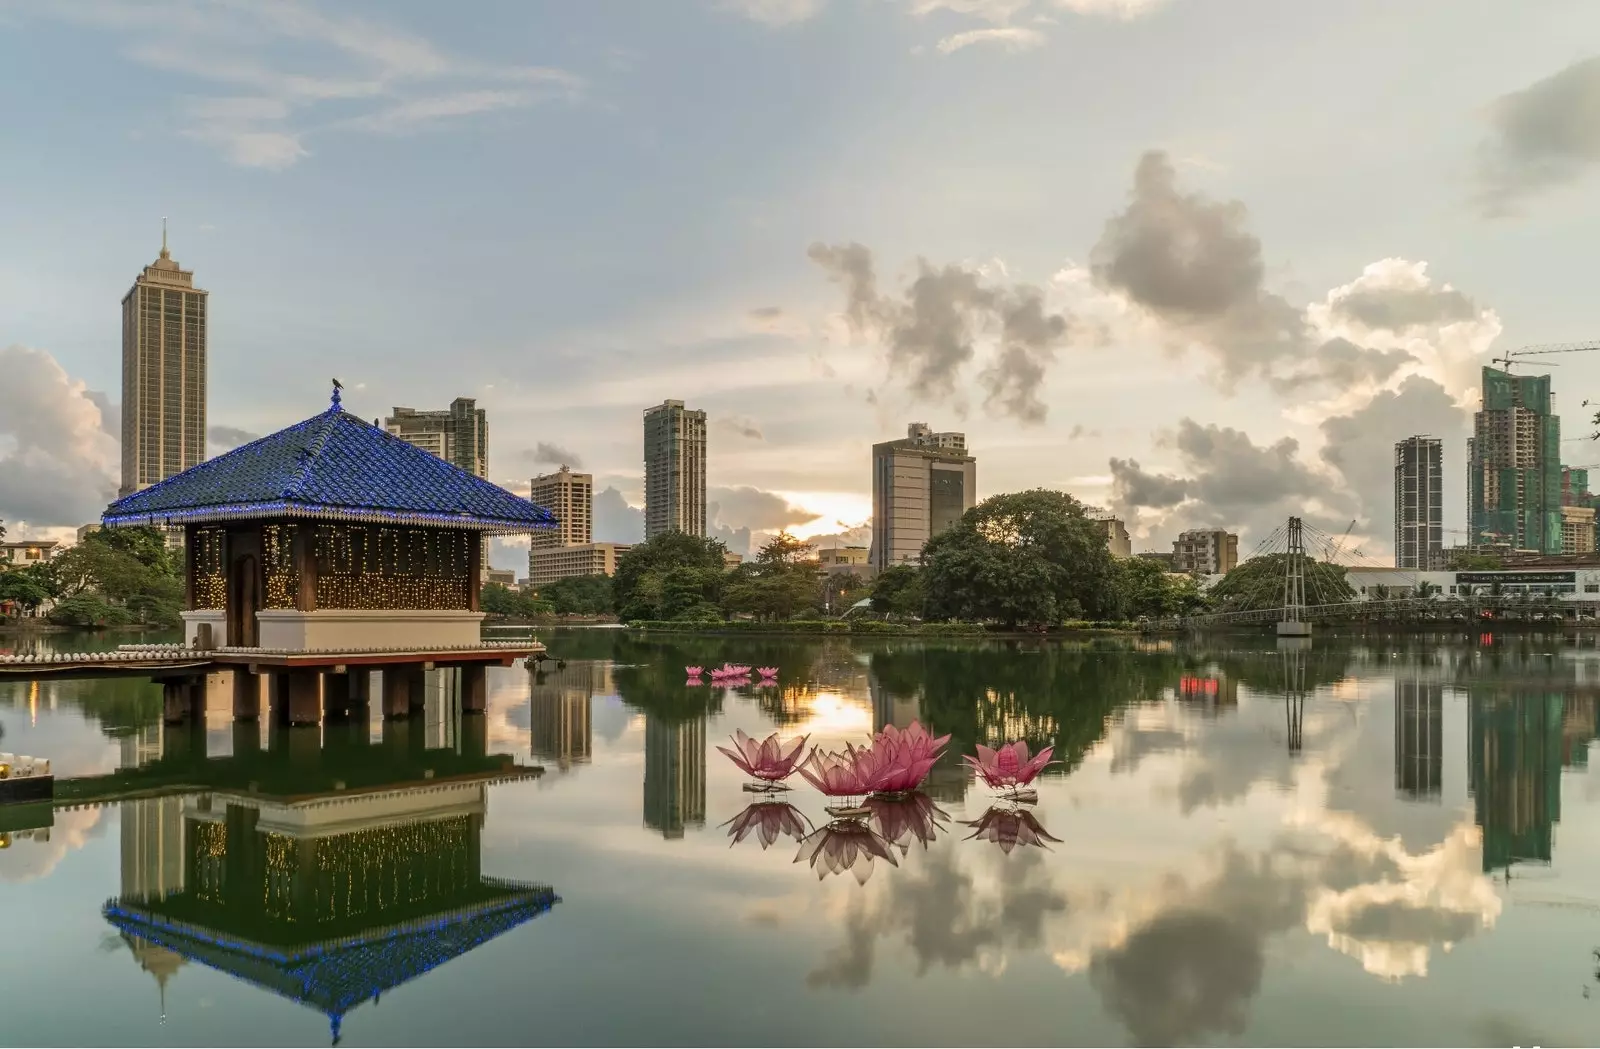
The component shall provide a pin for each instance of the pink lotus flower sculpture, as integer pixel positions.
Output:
(908, 756)
(845, 845)
(1010, 768)
(769, 821)
(899, 821)
(769, 762)
(1008, 827)
(848, 774)
(694, 671)
(767, 671)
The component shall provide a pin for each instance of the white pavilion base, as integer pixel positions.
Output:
(1294, 628)
(333, 629)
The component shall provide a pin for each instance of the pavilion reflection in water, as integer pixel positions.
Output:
(328, 899)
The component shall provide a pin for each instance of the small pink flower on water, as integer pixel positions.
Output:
(693, 671)
(768, 760)
(767, 671)
(1010, 766)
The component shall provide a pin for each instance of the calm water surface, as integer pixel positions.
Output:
(1367, 843)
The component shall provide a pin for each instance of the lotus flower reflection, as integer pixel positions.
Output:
(1010, 768)
(769, 762)
(899, 821)
(1008, 827)
(907, 756)
(769, 820)
(845, 845)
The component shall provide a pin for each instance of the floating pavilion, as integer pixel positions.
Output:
(323, 551)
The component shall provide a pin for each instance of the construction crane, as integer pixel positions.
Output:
(1512, 356)
(1333, 551)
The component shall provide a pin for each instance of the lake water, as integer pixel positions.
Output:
(1388, 842)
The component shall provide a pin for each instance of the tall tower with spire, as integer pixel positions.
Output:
(163, 373)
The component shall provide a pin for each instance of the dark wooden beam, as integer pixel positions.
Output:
(305, 565)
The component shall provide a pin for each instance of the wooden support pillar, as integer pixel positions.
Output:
(336, 695)
(246, 694)
(296, 697)
(474, 737)
(402, 689)
(183, 700)
(246, 737)
(474, 682)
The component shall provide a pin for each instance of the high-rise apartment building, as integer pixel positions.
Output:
(1418, 738)
(1514, 478)
(163, 374)
(570, 496)
(674, 470)
(921, 485)
(459, 434)
(1205, 552)
(1419, 503)
(674, 774)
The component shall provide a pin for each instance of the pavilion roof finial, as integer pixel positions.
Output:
(164, 252)
(337, 386)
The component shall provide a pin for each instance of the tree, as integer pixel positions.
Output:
(1145, 589)
(669, 576)
(129, 569)
(25, 588)
(1468, 561)
(88, 611)
(588, 595)
(1024, 558)
(499, 600)
(897, 591)
(1258, 584)
(779, 584)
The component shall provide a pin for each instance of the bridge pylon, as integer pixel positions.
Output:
(1294, 585)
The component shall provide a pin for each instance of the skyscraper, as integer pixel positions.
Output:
(1419, 503)
(459, 434)
(1514, 493)
(163, 374)
(674, 774)
(570, 496)
(674, 470)
(921, 485)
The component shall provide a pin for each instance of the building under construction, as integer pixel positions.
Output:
(1514, 472)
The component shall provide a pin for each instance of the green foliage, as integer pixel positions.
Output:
(898, 591)
(88, 610)
(587, 595)
(499, 600)
(1030, 558)
(840, 590)
(126, 569)
(1467, 561)
(671, 575)
(1146, 590)
(781, 583)
(28, 587)
(1258, 584)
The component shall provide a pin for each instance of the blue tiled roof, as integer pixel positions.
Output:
(333, 466)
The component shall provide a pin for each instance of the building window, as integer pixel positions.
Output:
(1591, 588)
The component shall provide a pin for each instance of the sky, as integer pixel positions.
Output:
(1199, 262)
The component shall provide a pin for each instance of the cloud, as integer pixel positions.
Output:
(752, 508)
(369, 77)
(1123, 9)
(1360, 445)
(1228, 481)
(739, 426)
(931, 331)
(554, 454)
(766, 313)
(1132, 487)
(773, 12)
(1011, 38)
(615, 521)
(1543, 136)
(220, 439)
(110, 412)
(1193, 265)
(58, 463)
